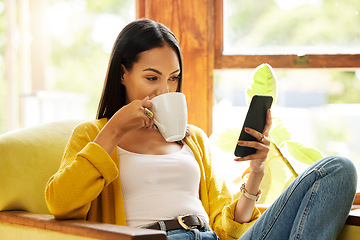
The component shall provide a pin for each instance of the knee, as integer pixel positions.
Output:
(347, 166)
(347, 171)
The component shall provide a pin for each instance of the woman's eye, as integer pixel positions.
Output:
(151, 78)
(175, 78)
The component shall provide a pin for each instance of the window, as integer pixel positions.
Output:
(288, 34)
(314, 48)
(57, 58)
(3, 87)
(291, 27)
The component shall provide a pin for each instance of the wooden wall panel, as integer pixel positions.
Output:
(193, 24)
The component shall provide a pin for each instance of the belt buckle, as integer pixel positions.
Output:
(183, 224)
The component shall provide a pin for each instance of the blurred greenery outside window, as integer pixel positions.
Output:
(321, 107)
(78, 36)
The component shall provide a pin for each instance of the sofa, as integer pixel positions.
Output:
(28, 157)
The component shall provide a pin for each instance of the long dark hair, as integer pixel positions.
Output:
(138, 36)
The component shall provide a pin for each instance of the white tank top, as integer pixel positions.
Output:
(159, 187)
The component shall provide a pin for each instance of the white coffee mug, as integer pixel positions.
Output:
(170, 115)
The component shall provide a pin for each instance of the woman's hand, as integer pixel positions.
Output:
(257, 160)
(130, 117)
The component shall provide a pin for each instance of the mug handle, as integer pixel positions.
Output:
(159, 126)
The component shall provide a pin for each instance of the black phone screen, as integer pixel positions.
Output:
(255, 119)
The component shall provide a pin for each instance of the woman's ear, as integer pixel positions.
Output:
(123, 73)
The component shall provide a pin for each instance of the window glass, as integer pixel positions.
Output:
(61, 50)
(82, 34)
(293, 27)
(3, 85)
(321, 108)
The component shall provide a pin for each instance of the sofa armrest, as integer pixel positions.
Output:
(87, 229)
(351, 229)
(354, 217)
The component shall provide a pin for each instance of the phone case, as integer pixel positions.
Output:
(255, 119)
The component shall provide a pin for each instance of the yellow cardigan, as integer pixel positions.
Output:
(87, 184)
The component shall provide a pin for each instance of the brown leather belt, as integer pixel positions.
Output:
(187, 222)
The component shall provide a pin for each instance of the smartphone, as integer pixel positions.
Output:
(255, 119)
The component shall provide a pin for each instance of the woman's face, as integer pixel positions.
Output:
(156, 72)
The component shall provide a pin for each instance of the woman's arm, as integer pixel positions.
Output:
(131, 116)
(87, 166)
(85, 170)
(245, 207)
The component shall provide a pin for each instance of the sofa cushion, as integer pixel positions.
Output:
(28, 158)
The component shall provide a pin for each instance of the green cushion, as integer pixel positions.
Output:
(28, 158)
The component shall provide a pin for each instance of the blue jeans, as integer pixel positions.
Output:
(314, 206)
(192, 234)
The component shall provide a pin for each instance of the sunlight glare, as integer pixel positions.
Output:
(2, 7)
(106, 28)
(288, 5)
(58, 17)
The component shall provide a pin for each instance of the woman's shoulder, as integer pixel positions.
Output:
(90, 127)
(196, 135)
(196, 131)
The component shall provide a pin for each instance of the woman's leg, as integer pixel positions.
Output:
(314, 206)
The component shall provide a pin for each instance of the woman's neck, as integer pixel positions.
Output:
(147, 141)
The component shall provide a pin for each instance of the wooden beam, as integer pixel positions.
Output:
(219, 33)
(193, 24)
(140, 8)
(290, 61)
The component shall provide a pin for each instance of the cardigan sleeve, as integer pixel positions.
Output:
(217, 199)
(86, 168)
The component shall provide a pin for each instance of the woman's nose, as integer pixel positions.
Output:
(163, 88)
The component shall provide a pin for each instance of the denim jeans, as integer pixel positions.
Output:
(314, 206)
(192, 234)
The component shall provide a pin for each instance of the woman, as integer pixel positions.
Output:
(119, 169)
